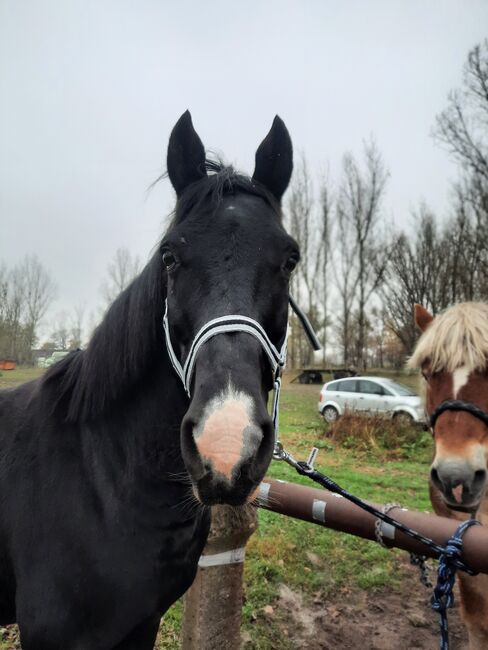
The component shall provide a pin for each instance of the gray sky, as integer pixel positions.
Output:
(89, 91)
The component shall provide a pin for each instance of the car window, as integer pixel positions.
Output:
(400, 389)
(346, 386)
(370, 387)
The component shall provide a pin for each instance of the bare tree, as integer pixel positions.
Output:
(345, 249)
(417, 271)
(39, 292)
(327, 231)
(120, 272)
(76, 326)
(308, 221)
(60, 332)
(462, 126)
(361, 250)
(466, 248)
(26, 292)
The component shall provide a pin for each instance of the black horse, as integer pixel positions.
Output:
(107, 467)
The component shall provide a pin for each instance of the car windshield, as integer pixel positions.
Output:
(400, 389)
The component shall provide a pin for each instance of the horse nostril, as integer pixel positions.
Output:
(434, 475)
(479, 477)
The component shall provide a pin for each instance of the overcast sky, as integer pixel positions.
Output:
(89, 91)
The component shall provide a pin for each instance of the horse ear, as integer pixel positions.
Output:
(422, 317)
(186, 155)
(274, 159)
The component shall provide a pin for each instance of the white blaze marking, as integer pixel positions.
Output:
(459, 379)
(226, 430)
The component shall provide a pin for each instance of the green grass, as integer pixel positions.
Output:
(11, 378)
(310, 560)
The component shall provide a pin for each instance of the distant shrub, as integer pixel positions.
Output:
(378, 434)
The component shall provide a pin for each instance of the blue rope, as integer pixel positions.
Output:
(443, 597)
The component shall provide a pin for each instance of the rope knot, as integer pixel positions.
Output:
(449, 561)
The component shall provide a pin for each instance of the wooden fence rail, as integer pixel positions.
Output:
(213, 604)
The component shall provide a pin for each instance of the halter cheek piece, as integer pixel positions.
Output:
(238, 323)
(457, 405)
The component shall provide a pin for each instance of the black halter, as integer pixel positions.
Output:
(458, 405)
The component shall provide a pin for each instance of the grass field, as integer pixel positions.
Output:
(11, 378)
(311, 561)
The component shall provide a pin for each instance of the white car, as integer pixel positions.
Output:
(370, 395)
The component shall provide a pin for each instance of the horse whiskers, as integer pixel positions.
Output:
(180, 477)
(189, 505)
(259, 501)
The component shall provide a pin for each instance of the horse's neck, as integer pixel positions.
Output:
(137, 440)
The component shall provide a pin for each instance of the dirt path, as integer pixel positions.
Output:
(386, 619)
(398, 619)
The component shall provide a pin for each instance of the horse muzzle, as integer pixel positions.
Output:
(461, 483)
(226, 448)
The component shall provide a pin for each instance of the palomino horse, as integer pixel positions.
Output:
(100, 459)
(452, 354)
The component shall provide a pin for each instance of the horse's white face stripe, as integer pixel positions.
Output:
(226, 432)
(459, 379)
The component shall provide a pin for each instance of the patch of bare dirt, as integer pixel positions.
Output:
(376, 620)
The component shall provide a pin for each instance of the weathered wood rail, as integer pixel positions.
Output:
(213, 604)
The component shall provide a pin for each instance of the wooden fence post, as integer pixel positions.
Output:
(212, 606)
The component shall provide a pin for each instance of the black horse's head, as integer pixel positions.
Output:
(227, 253)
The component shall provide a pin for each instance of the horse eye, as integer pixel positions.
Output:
(169, 260)
(291, 263)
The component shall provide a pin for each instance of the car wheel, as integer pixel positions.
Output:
(403, 419)
(330, 414)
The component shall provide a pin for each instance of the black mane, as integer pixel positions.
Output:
(129, 340)
(125, 344)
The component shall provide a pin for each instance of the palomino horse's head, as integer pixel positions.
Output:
(227, 253)
(453, 356)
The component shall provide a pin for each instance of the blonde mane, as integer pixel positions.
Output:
(455, 338)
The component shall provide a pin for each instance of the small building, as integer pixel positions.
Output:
(7, 364)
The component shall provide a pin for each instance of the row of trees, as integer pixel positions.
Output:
(359, 279)
(26, 293)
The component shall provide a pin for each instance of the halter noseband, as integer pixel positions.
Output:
(458, 405)
(238, 323)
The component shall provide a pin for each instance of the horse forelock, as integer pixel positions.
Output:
(456, 338)
(204, 196)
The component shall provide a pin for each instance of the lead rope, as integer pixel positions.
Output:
(449, 555)
(443, 596)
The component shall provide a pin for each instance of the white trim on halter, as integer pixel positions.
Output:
(238, 323)
(223, 325)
